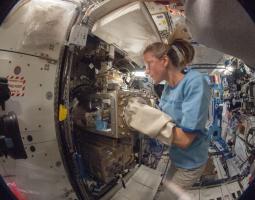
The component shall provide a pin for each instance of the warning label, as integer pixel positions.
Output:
(16, 85)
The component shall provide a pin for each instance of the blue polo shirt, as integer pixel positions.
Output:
(188, 104)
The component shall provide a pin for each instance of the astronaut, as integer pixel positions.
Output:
(184, 110)
(185, 99)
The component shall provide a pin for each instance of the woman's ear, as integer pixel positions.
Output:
(166, 60)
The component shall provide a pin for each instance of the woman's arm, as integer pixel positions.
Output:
(182, 139)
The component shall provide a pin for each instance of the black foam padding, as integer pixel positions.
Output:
(11, 130)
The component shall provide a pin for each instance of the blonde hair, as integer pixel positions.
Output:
(179, 50)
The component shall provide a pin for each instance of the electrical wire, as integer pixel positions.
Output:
(165, 171)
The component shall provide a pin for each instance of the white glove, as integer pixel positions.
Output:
(149, 121)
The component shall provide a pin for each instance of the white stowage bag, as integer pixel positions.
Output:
(149, 121)
(230, 30)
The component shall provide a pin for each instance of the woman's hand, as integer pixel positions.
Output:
(182, 139)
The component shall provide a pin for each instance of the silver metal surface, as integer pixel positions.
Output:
(142, 186)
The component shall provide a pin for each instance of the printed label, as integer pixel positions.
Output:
(17, 85)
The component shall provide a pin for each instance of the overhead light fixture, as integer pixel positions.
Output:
(230, 68)
(139, 73)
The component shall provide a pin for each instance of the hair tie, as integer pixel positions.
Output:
(179, 54)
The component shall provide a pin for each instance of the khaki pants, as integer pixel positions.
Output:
(177, 181)
(184, 178)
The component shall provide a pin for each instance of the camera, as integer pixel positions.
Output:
(10, 138)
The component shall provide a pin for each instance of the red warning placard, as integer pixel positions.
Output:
(17, 85)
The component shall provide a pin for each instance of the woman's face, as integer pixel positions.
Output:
(155, 67)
